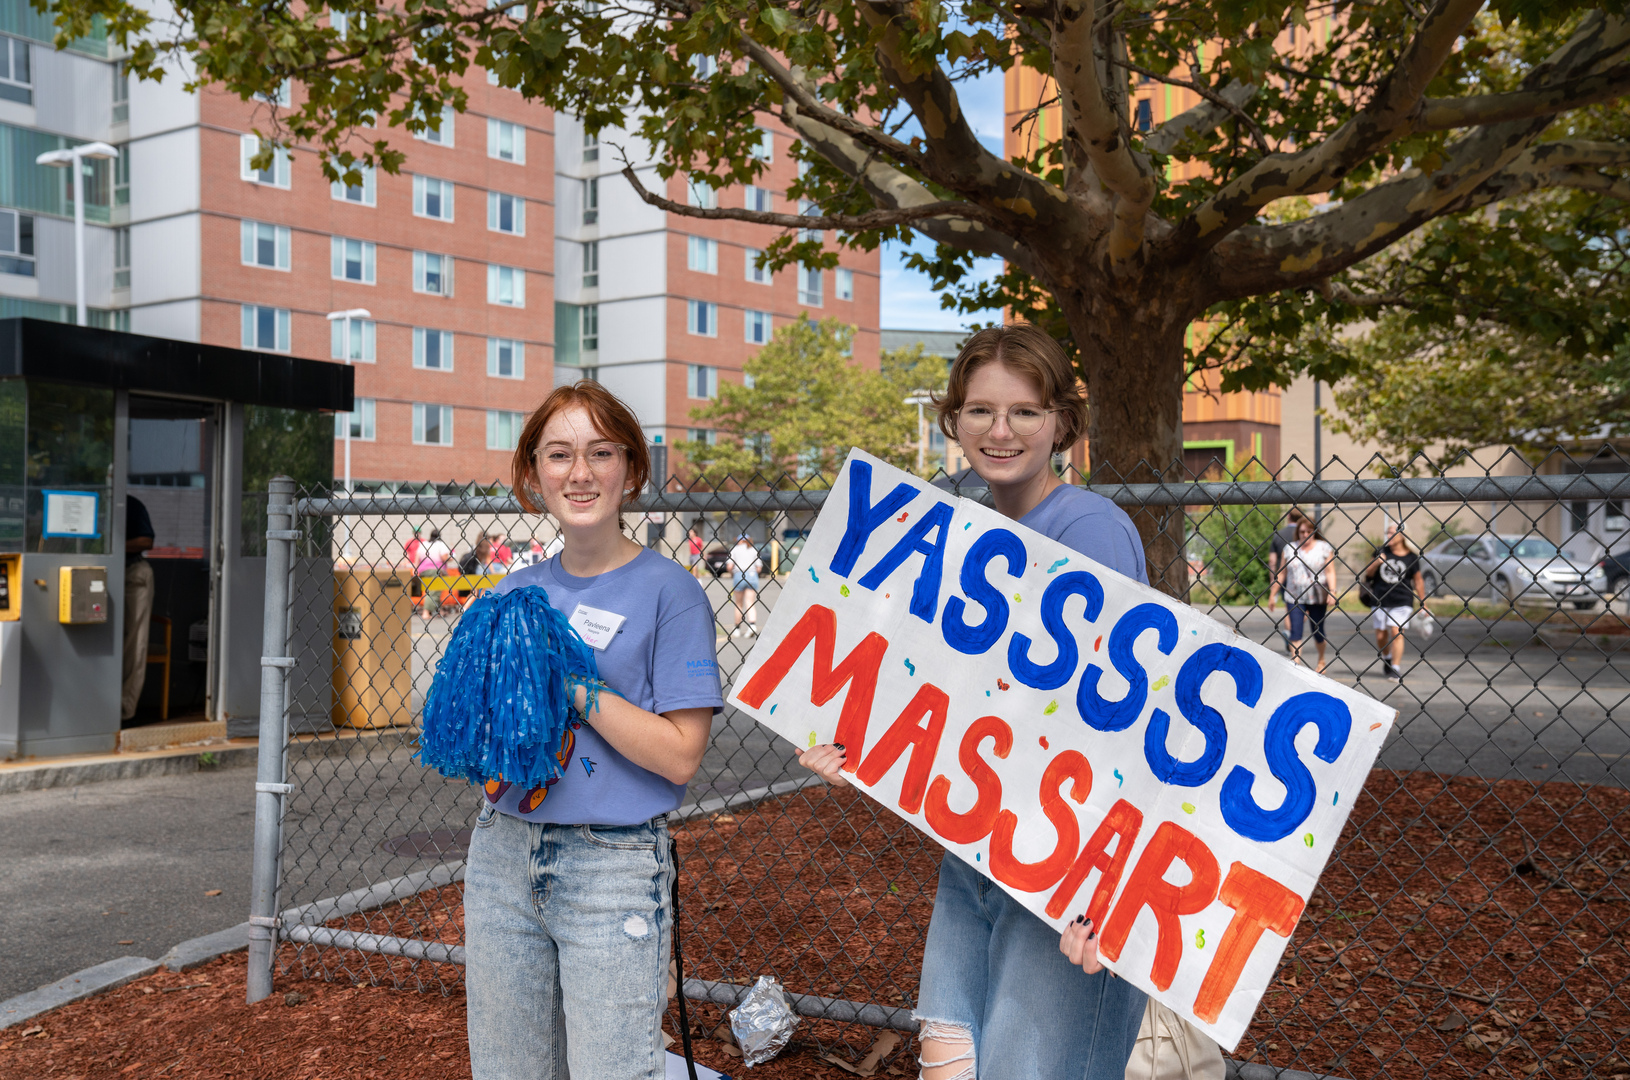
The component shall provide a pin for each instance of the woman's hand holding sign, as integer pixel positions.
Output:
(826, 761)
(1080, 944)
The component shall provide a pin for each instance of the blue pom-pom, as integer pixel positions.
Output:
(501, 699)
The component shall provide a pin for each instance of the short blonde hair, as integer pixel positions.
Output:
(1031, 352)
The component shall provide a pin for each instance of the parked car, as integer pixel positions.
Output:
(1615, 569)
(1511, 569)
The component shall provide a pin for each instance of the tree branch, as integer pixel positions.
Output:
(1202, 117)
(1443, 114)
(1093, 139)
(1222, 101)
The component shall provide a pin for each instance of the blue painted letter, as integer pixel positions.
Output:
(925, 595)
(1122, 714)
(1247, 675)
(974, 640)
(864, 518)
(1241, 811)
(1051, 677)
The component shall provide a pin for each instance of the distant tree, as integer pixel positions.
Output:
(807, 404)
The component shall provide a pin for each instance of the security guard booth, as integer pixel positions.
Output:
(90, 418)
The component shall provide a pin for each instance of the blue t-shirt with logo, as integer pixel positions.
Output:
(1087, 522)
(660, 657)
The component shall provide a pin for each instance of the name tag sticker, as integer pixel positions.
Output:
(596, 627)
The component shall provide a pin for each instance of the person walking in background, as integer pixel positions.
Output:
(744, 565)
(696, 551)
(1307, 577)
(414, 547)
(138, 614)
(482, 559)
(1395, 579)
(1283, 537)
(501, 552)
(434, 556)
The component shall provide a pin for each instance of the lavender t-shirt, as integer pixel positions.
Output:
(661, 657)
(1089, 523)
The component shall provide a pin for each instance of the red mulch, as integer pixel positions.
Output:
(1464, 928)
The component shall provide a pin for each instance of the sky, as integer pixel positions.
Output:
(908, 302)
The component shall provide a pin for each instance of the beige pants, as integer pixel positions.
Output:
(138, 614)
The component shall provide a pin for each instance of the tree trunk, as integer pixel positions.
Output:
(1132, 361)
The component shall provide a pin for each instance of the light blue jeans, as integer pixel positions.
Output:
(992, 969)
(566, 937)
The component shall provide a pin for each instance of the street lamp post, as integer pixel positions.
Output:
(920, 398)
(345, 351)
(74, 158)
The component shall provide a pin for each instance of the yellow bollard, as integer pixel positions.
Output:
(373, 648)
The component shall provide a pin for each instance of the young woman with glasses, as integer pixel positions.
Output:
(1003, 995)
(567, 916)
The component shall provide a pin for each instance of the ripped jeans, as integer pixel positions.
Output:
(566, 938)
(993, 972)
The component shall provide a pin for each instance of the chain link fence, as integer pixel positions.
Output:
(1472, 918)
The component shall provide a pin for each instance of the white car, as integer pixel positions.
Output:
(1511, 569)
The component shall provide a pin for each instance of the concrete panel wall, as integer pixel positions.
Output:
(73, 94)
(164, 177)
(164, 262)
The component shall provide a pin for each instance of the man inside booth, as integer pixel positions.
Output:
(138, 603)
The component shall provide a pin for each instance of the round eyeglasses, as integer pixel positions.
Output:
(601, 458)
(977, 419)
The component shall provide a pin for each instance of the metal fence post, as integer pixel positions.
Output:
(270, 785)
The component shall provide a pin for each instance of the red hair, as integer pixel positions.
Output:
(611, 419)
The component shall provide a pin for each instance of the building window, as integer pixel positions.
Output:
(432, 424)
(506, 359)
(702, 255)
(591, 265)
(704, 66)
(279, 97)
(17, 243)
(807, 208)
(353, 260)
(361, 421)
(506, 141)
(432, 274)
(758, 199)
(702, 381)
(504, 429)
(265, 245)
(758, 327)
(506, 285)
(765, 150)
(121, 93)
(698, 193)
(342, 22)
(265, 328)
(432, 349)
(591, 146)
(702, 318)
(433, 198)
(704, 435)
(589, 327)
(506, 213)
(1145, 115)
(361, 345)
(121, 258)
(362, 194)
(16, 82)
(121, 177)
(591, 201)
(443, 135)
(755, 273)
(843, 283)
(809, 286)
(275, 174)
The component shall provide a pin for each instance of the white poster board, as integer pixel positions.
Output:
(70, 513)
(1088, 743)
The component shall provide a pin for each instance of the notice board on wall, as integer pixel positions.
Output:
(1091, 745)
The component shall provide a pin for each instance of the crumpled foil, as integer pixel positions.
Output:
(763, 1022)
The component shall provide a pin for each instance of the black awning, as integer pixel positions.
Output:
(58, 352)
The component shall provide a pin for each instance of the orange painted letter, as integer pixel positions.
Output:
(1147, 887)
(924, 742)
(974, 825)
(1123, 820)
(820, 626)
(1034, 877)
(1260, 903)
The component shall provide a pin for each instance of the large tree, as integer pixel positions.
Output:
(1403, 113)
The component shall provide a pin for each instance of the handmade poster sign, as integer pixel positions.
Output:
(1088, 743)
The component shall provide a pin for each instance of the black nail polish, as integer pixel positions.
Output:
(840, 747)
(1092, 934)
(1080, 919)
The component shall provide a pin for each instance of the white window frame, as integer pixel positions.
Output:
(497, 420)
(707, 436)
(808, 297)
(444, 137)
(701, 382)
(444, 349)
(588, 328)
(121, 257)
(421, 197)
(496, 131)
(363, 337)
(444, 426)
(339, 259)
(843, 283)
(590, 261)
(248, 147)
(702, 318)
(591, 201)
(17, 245)
(497, 276)
(250, 233)
(701, 195)
(280, 328)
(755, 198)
(702, 254)
(421, 260)
(765, 150)
(339, 191)
(494, 216)
(591, 147)
(703, 66)
(361, 419)
(757, 320)
(754, 274)
(517, 358)
(14, 54)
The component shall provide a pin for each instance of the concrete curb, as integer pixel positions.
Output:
(119, 767)
(201, 950)
(81, 984)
